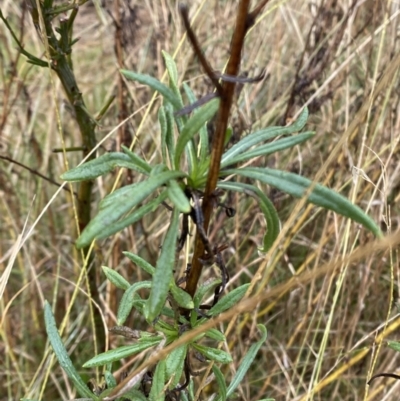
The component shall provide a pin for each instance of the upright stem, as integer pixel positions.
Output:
(228, 89)
(60, 53)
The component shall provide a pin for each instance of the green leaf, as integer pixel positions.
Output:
(122, 352)
(203, 132)
(158, 169)
(185, 396)
(174, 365)
(133, 217)
(141, 164)
(178, 197)
(146, 266)
(139, 304)
(229, 300)
(191, 158)
(171, 67)
(127, 301)
(163, 273)
(169, 139)
(149, 185)
(100, 166)
(167, 329)
(182, 298)
(266, 206)
(394, 345)
(228, 135)
(190, 390)
(215, 335)
(154, 84)
(219, 377)
(115, 205)
(173, 75)
(115, 278)
(109, 379)
(28, 399)
(133, 395)
(157, 392)
(213, 354)
(297, 186)
(162, 119)
(247, 361)
(196, 157)
(62, 354)
(198, 297)
(263, 135)
(193, 125)
(270, 148)
(190, 151)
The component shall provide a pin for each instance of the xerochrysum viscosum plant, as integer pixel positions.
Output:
(177, 180)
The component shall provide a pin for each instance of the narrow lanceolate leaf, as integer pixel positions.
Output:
(213, 354)
(173, 75)
(158, 169)
(62, 354)
(162, 119)
(192, 154)
(203, 152)
(121, 201)
(134, 395)
(154, 84)
(261, 136)
(127, 301)
(215, 335)
(266, 206)
(163, 273)
(170, 139)
(115, 278)
(229, 300)
(109, 379)
(178, 197)
(220, 378)
(198, 297)
(183, 299)
(133, 217)
(157, 392)
(394, 345)
(171, 67)
(101, 165)
(167, 329)
(174, 365)
(269, 148)
(143, 264)
(297, 186)
(247, 361)
(138, 161)
(193, 126)
(191, 158)
(122, 352)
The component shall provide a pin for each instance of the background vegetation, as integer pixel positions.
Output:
(341, 58)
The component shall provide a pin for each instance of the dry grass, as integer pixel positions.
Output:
(339, 57)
